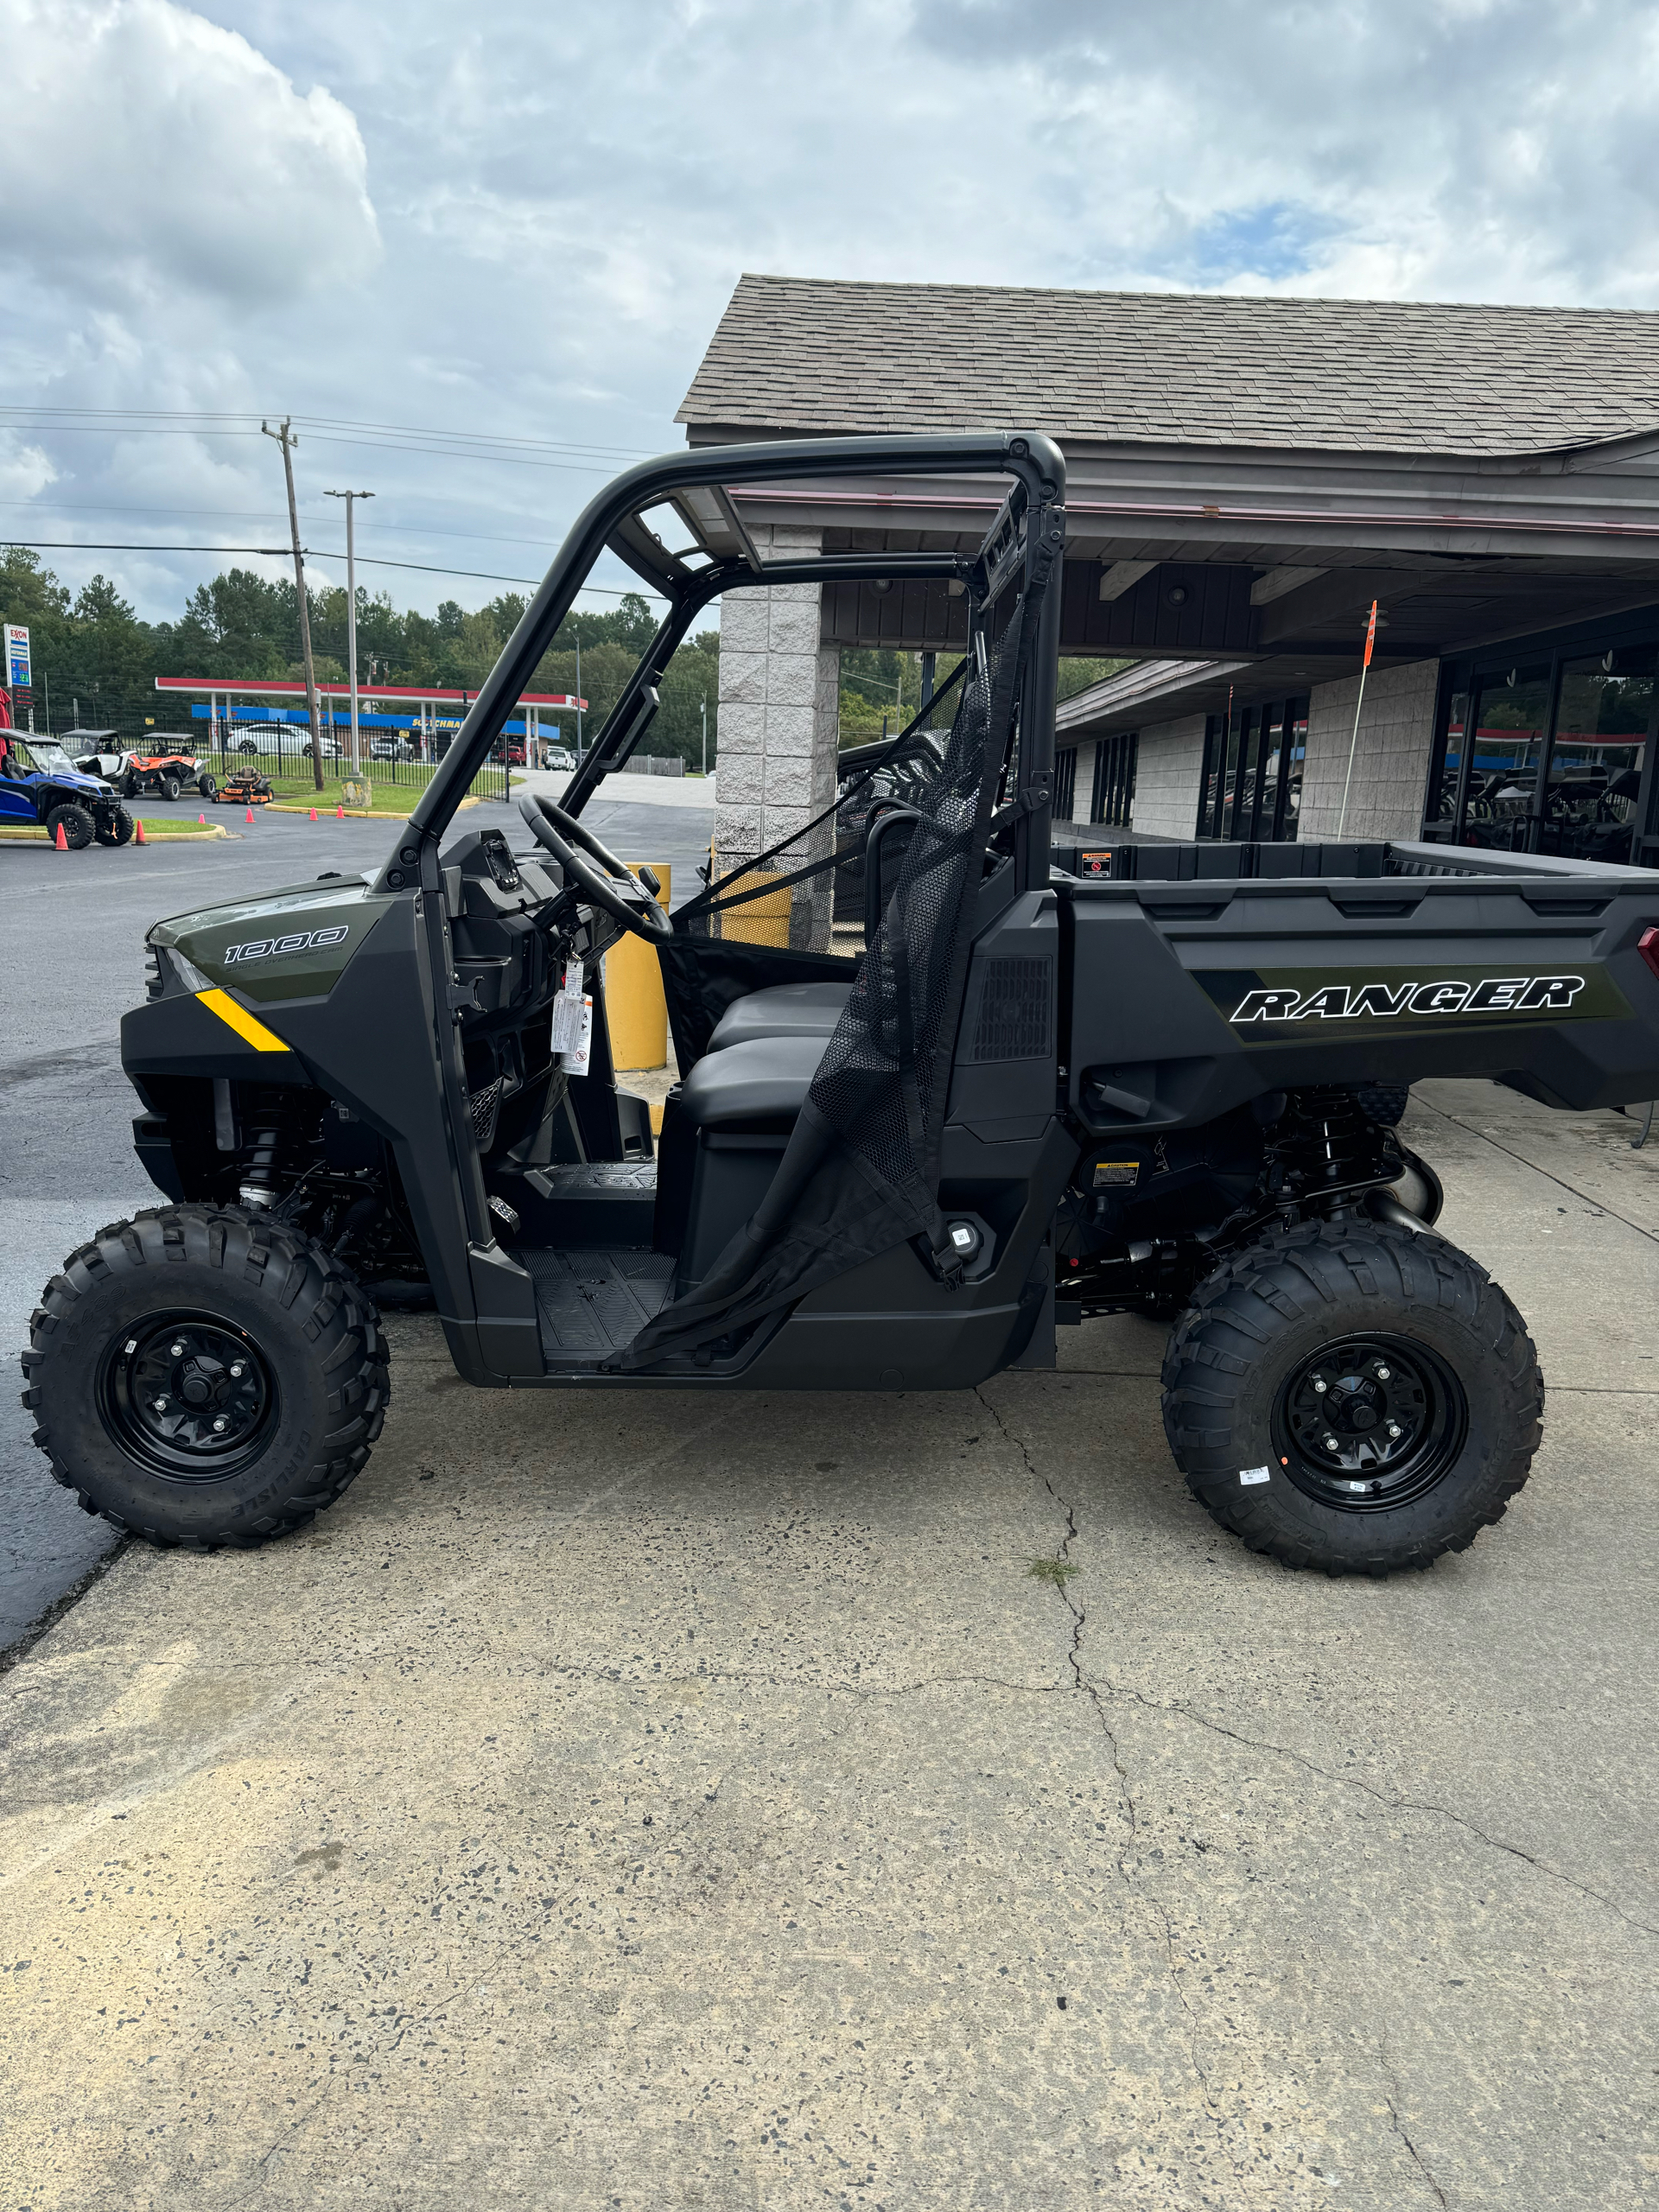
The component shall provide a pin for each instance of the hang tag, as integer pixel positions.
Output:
(574, 1060)
(1249, 1475)
(568, 1035)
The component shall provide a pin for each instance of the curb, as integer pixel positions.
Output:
(38, 836)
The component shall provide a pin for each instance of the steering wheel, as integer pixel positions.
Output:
(603, 879)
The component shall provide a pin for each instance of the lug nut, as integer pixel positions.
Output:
(1380, 1372)
(236, 1367)
(1320, 1384)
(177, 1350)
(1393, 1428)
(218, 1424)
(1330, 1444)
(161, 1405)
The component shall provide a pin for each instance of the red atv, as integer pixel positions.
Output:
(165, 771)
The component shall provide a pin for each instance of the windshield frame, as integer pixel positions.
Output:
(612, 522)
(30, 746)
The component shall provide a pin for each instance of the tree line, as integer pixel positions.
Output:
(98, 662)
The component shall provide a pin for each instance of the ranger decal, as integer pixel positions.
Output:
(1348, 1001)
(1267, 1006)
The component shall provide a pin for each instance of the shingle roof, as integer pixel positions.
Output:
(797, 353)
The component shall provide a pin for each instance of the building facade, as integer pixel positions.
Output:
(1245, 479)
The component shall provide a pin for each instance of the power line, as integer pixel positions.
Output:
(405, 437)
(312, 552)
(244, 514)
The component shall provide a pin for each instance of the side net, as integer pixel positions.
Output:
(860, 1172)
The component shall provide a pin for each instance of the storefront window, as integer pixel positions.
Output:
(1595, 763)
(1511, 722)
(1440, 801)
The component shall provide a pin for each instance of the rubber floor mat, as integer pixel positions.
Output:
(590, 1304)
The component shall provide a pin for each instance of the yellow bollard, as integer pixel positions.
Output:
(634, 1004)
(764, 920)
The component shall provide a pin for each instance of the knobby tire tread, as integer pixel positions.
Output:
(1296, 1273)
(341, 1319)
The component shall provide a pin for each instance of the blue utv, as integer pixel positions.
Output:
(39, 782)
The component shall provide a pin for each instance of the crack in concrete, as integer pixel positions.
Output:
(1074, 1653)
(1398, 2127)
(1086, 1688)
(1381, 1797)
(1281, 1750)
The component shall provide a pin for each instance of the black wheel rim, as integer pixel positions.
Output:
(1369, 1423)
(188, 1396)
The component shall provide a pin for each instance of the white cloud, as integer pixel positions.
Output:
(25, 470)
(566, 196)
(152, 160)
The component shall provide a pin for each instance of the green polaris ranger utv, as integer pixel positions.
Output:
(1042, 1092)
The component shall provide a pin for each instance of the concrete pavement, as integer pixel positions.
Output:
(684, 1801)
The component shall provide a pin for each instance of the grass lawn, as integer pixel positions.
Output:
(293, 784)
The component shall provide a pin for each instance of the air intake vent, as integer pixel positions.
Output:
(1014, 1011)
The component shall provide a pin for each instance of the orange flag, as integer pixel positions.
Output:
(1370, 636)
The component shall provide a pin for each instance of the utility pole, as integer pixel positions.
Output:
(351, 618)
(705, 734)
(285, 438)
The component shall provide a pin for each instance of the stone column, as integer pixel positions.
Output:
(1396, 736)
(779, 691)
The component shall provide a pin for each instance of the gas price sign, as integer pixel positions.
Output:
(17, 670)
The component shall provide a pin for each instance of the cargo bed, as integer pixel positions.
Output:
(1199, 977)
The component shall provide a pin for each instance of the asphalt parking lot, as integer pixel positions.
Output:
(886, 1802)
(76, 923)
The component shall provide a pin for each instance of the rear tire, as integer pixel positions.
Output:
(76, 824)
(204, 1375)
(206, 786)
(171, 787)
(1392, 1347)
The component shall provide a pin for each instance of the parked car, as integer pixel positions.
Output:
(286, 739)
(558, 756)
(40, 782)
(390, 748)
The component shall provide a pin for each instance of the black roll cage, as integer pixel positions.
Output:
(612, 521)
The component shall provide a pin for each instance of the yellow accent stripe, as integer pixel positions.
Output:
(255, 1033)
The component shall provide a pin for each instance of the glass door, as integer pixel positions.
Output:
(1603, 721)
(1510, 723)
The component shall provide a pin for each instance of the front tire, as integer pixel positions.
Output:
(205, 1376)
(76, 824)
(119, 831)
(206, 786)
(171, 787)
(1353, 1396)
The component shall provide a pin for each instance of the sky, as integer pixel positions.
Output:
(477, 254)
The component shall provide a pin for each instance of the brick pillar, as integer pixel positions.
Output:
(1397, 736)
(779, 691)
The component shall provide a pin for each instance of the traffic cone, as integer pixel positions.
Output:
(314, 814)
(138, 833)
(61, 840)
(339, 814)
(250, 814)
(200, 817)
